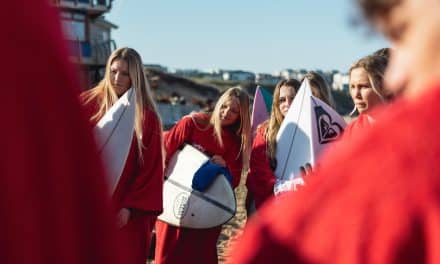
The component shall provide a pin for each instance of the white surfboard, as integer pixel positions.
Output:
(309, 127)
(185, 207)
(114, 134)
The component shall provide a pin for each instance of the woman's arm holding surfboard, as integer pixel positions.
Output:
(233, 160)
(177, 136)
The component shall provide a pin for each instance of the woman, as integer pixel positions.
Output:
(137, 198)
(261, 178)
(367, 90)
(223, 135)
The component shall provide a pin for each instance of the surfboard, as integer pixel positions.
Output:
(261, 108)
(309, 127)
(185, 207)
(114, 134)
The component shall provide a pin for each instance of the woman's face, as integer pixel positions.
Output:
(361, 91)
(412, 27)
(287, 93)
(119, 76)
(230, 111)
(317, 93)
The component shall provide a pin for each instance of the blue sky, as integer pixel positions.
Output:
(254, 35)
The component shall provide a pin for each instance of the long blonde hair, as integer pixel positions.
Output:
(106, 95)
(242, 127)
(276, 118)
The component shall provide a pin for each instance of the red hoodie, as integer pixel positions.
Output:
(53, 203)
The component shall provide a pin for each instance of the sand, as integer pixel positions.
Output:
(234, 227)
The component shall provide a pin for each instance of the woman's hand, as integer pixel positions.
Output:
(306, 170)
(123, 217)
(218, 160)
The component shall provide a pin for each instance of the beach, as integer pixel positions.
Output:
(234, 227)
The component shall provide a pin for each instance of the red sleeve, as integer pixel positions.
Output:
(356, 127)
(261, 179)
(177, 136)
(89, 109)
(145, 186)
(234, 161)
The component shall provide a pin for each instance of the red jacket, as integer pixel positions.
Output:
(361, 123)
(375, 199)
(261, 179)
(53, 204)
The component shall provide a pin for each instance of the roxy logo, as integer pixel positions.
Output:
(181, 205)
(328, 130)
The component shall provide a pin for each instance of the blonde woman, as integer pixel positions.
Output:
(137, 199)
(261, 179)
(224, 135)
(367, 90)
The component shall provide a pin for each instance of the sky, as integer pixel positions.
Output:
(261, 36)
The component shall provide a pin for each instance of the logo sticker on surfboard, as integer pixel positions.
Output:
(181, 204)
(328, 130)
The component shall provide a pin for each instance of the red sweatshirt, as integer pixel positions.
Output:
(53, 204)
(361, 123)
(261, 179)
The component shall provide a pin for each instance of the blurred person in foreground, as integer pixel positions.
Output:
(53, 203)
(356, 209)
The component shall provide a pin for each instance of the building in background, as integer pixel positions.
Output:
(267, 79)
(88, 35)
(238, 76)
(341, 82)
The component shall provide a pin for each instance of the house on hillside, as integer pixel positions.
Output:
(88, 35)
(238, 76)
(267, 79)
(341, 82)
(177, 96)
(156, 67)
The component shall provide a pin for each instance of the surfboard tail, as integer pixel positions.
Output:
(261, 108)
(114, 134)
(309, 127)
